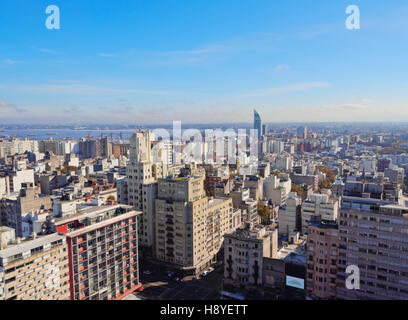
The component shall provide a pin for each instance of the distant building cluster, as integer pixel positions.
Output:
(79, 218)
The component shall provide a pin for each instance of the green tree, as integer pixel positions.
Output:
(297, 189)
(264, 212)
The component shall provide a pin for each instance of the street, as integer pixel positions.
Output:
(158, 285)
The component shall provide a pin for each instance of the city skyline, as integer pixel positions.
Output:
(195, 62)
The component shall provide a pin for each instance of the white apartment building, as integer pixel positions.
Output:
(142, 174)
(289, 215)
(319, 204)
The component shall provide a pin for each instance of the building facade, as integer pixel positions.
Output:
(35, 269)
(102, 252)
(373, 235)
(322, 257)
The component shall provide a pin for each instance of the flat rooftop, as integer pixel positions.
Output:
(90, 212)
(216, 201)
(103, 223)
(29, 244)
(293, 252)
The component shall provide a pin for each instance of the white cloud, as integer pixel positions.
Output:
(5, 106)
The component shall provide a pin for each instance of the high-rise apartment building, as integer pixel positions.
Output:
(35, 269)
(373, 235)
(322, 256)
(142, 175)
(190, 226)
(102, 252)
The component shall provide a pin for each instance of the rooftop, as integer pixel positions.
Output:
(293, 252)
(90, 212)
(216, 201)
(29, 244)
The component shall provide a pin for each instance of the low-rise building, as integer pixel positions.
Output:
(244, 251)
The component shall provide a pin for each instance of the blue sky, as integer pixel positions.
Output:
(203, 61)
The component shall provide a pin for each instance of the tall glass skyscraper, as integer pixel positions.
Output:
(258, 123)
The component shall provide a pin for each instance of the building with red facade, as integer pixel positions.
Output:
(102, 252)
